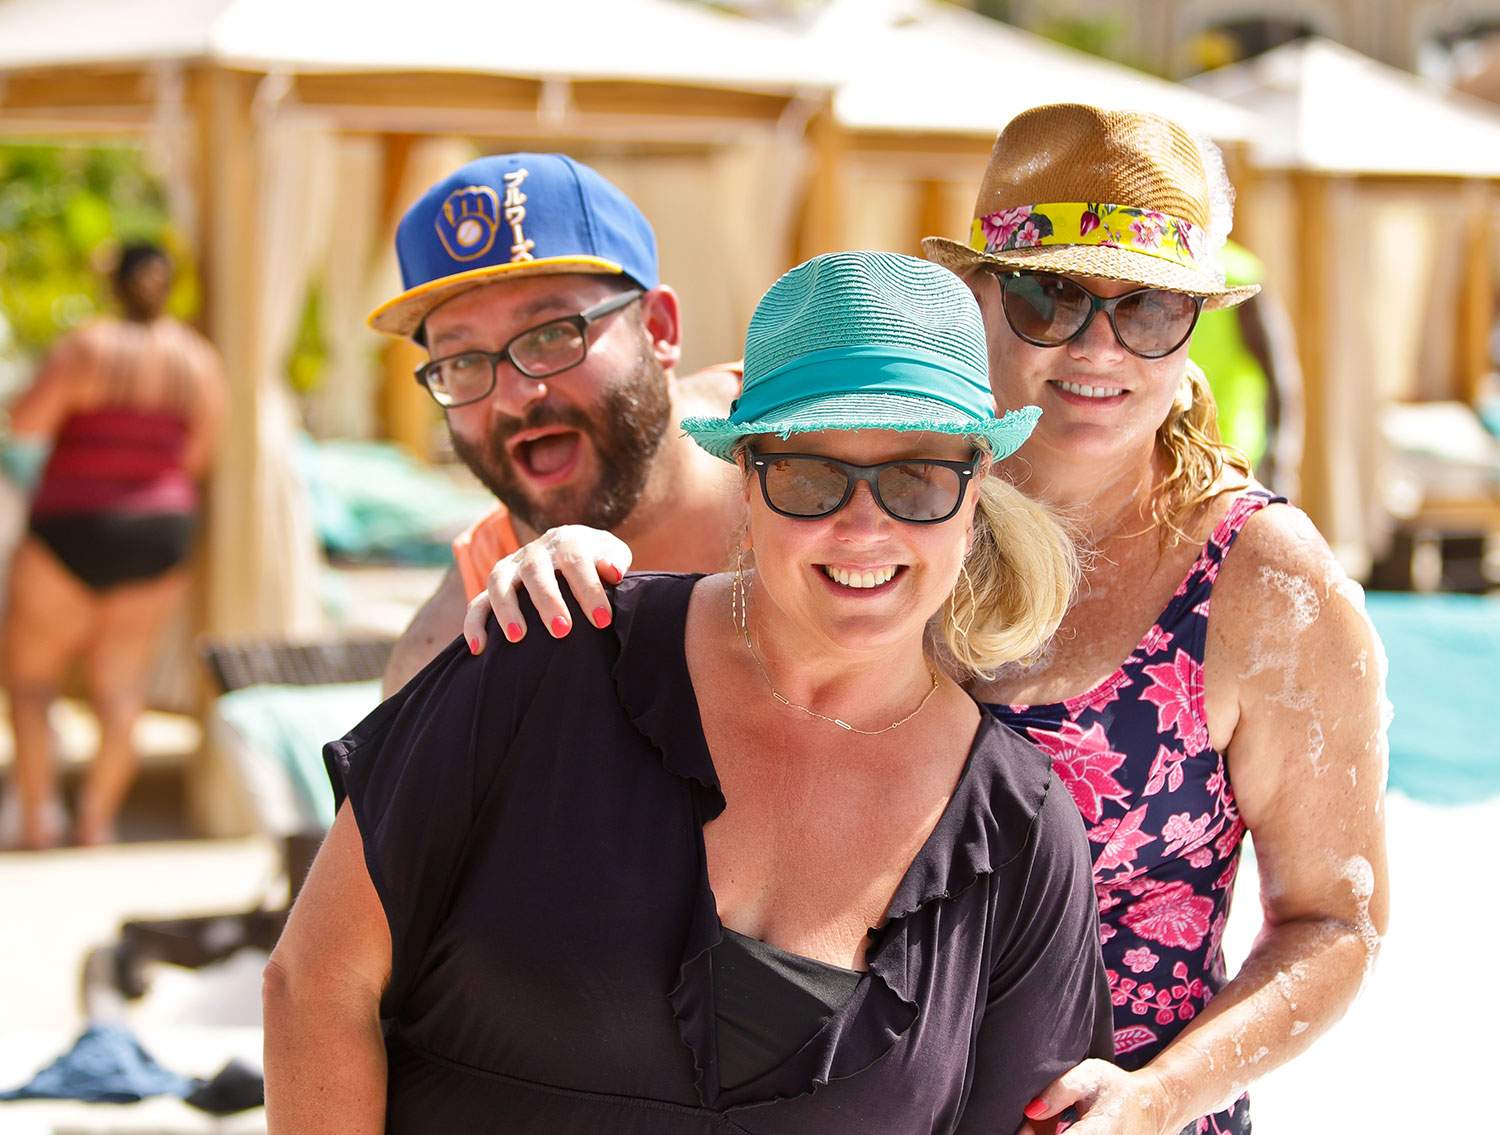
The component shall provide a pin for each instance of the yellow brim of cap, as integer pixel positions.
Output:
(404, 314)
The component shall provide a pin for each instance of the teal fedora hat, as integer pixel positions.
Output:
(866, 341)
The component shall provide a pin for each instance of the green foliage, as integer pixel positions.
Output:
(1103, 36)
(1097, 36)
(63, 212)
(308, 358)
(994, 9)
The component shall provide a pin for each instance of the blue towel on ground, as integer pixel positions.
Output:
(105, 1065)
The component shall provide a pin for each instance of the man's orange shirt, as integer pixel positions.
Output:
(475, 550)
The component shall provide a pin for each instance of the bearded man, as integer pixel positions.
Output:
(532, 282)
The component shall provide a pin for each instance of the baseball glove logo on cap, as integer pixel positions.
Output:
(513, 215)
(468, 221)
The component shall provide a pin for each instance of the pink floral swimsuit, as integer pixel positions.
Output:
(1161, 816)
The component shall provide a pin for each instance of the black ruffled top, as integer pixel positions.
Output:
(532, 822)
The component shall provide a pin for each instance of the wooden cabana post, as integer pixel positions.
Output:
(406, 413)
(1309, 305)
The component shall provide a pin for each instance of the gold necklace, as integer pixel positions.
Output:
(739, 614)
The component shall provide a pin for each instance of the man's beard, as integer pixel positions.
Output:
(626, 433)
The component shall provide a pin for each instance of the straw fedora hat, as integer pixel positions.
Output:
(1114, 195)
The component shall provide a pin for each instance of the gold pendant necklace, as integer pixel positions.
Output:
(739, 613)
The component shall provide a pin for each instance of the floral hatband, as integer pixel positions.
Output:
(1088, 223)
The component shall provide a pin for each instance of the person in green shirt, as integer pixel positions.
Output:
(1249, 356)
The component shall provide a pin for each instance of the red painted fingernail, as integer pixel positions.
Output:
(513, 632)
(472, 648)
(601, 617)
(1035, 1108)
(561, 626)
(617, 573)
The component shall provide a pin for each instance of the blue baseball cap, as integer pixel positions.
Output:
(513, 215)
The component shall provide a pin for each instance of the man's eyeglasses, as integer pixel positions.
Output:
(1048, 310)
(538, 352)
(805, 486)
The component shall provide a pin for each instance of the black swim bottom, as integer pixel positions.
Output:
(105, 551)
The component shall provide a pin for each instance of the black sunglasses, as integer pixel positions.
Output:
(538, 352)
(1048, 310)
(805, 486)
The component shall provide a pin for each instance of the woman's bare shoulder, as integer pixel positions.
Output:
(1282, 581)
(188, 339)
(1279, 538)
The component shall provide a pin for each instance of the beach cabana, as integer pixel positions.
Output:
(923, 89)
(1370, 196)
(292, 133)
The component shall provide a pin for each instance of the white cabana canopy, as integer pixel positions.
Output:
(921, 88)
(918, 66)
(1328, 109)
(1372, 204)
(638, 41)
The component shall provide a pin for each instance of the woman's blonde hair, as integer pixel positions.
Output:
(1194, 457)
(1014, 587)
(1194, 454)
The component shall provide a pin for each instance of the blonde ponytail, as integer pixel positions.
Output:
(1015, 585)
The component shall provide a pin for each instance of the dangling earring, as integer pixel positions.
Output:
(963, 631)
(737, 599)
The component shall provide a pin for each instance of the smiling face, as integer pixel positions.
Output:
(1100, 403)
(858, 580)
(574, 448)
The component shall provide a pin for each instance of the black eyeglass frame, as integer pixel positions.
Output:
(1096, 305)
(581, 322)
(853, 474)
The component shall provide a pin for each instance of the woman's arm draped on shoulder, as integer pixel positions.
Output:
(409, 781)
(1048, 1005)
(1307, 759)
(583, 557)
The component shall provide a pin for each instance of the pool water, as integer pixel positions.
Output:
(1444, 653)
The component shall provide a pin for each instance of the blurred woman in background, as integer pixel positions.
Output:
(130, 408)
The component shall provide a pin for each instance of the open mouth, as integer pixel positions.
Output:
(862, 578)
(548, 456)
(1091, 393)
